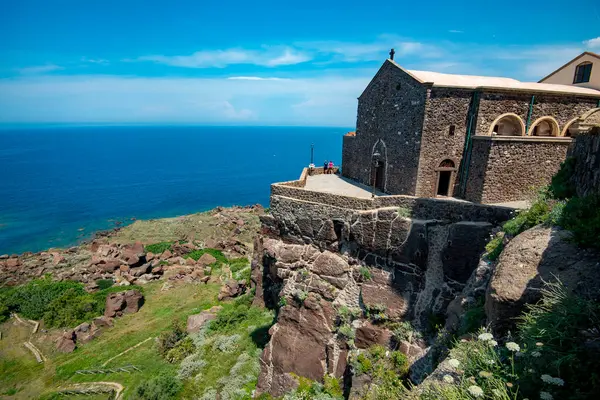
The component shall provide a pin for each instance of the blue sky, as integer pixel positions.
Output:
(261, 62)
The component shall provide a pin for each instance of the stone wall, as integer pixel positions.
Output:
(391, 110)
(562, 108)
(506, 169)
(445, 107)
(586, 152)
(413, 207)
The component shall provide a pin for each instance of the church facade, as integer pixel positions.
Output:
(483, 139)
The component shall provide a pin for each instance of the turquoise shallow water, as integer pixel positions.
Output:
(60, 184)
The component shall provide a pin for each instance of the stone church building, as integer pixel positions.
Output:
(484, 139)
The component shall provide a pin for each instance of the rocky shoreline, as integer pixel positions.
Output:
(106, 256)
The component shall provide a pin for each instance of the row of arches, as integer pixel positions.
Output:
(512, 125)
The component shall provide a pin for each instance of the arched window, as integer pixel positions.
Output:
(571, 128)
(508, 125)
(545, 126)
(583, 72)
(452, 129)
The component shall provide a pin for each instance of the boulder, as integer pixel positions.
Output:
(66, 343)
(206, 259)
(101, 322)
(115, 303)
(108, 265)
(386, 297)
(120, 303)
(166, 255)
(197, 321)
(536, 255)
(232, 288)
(369, 335)
(133, 300)
(328, 263)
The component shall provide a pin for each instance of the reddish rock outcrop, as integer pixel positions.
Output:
(537, 255)
(120, 303)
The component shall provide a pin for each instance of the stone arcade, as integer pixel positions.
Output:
(484, 139)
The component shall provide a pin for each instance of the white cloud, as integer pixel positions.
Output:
(267, 57)
(328, 100)
(100, 61)
(40, 69)
(455, 31)
(592, 43)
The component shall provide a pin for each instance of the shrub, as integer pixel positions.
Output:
(190, 366)
(363, 364)
(238, 264)
(71, 308)
(495, 247)
(400, 363)
(562, 187)
(377, 352)
(158, 248)
(225, 344)
(560, 329)
(232, 315)
(181, 350)
(300, 295)
(160, 387)
(104, 283)
(346, 331)
(168, 340)
(332, 386)
(582, 217)
(536, 214)
(365, 273)
(474, 317)
(404, 331)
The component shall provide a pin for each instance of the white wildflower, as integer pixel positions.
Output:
(512, 346)
(448, 379)
(539, 344)
(553, 381)
(536, 354)
(546, 396)
(490, 362)
(485, 337)
(493, 343)
(475, 391)
(454, 363)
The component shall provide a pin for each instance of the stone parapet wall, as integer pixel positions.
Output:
(586, 152)
(414, 207)
(505, 169)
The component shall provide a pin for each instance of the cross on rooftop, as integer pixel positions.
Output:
(392, 52)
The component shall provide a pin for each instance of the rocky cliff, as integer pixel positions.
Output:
(314, 263)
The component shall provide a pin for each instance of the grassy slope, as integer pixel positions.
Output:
(200, 226)
(20, 370)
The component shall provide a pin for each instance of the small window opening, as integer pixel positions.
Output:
(583, 73)
(398, 86)
(452, 129)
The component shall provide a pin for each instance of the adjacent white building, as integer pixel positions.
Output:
(583, 71)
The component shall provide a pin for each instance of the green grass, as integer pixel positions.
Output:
(230, 348)
(158, 248)
(218, 254)
(18, 368)
(582, 217)
(495, 247)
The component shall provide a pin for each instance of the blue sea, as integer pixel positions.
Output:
(60, 184)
